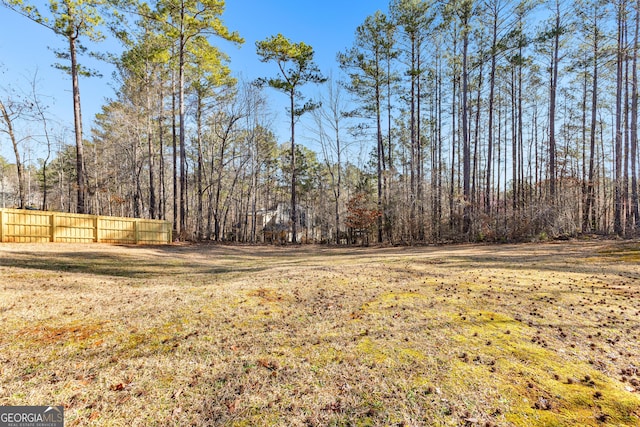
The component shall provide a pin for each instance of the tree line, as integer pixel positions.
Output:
(464, 120)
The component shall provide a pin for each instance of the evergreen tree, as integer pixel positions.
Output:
(296, 66)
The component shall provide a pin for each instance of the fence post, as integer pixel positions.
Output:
(96, 229)
(52, 227)
(1, 226)
(135, 230)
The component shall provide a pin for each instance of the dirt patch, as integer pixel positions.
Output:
(47, 334)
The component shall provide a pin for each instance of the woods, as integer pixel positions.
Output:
(466, 120)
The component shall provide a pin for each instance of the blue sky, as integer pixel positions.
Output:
(328, 26)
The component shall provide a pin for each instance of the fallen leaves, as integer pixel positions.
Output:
(176, 394)
(268, 364)
(117, 387)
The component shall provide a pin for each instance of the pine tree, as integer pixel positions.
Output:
(75, 21)
(295, 62)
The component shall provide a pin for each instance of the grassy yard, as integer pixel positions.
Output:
(513, 335)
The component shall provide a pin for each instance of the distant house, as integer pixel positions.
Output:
(276, 224)
(7, 198)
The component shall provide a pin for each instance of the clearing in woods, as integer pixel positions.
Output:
(513, 335)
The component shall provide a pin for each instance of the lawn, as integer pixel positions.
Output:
(205, 335)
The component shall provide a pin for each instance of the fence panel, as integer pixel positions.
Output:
(18, 227)
(72, 228)
(117, 230)
(24, 226)
(153, 232)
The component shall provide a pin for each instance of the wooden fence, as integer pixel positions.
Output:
(25, 226)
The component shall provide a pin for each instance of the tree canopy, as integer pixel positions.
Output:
(468, 121)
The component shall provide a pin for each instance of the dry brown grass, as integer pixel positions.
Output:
(514, 335)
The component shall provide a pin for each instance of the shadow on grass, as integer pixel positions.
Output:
(126, 265)
(163, 260)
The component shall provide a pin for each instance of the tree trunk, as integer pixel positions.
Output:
(47, 138)
(590, 207)
(380, 150)
(454, 145)
(77, 121)
(514, 145)
(255, 169)
(438, 210)
(412, 129)
(520, 168)
(338, 189)
(626, 211)
(617, 219)
(183, 153)
(163, 192)
(466, 147)
(150, 153)
(174, 143)
(492, 86)
(200, 211)
(419, 150)
(294, 209)
(552, 105)
(476, 140)
(16, 151)
(389, 162)
(584, 185)
(634, 123)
